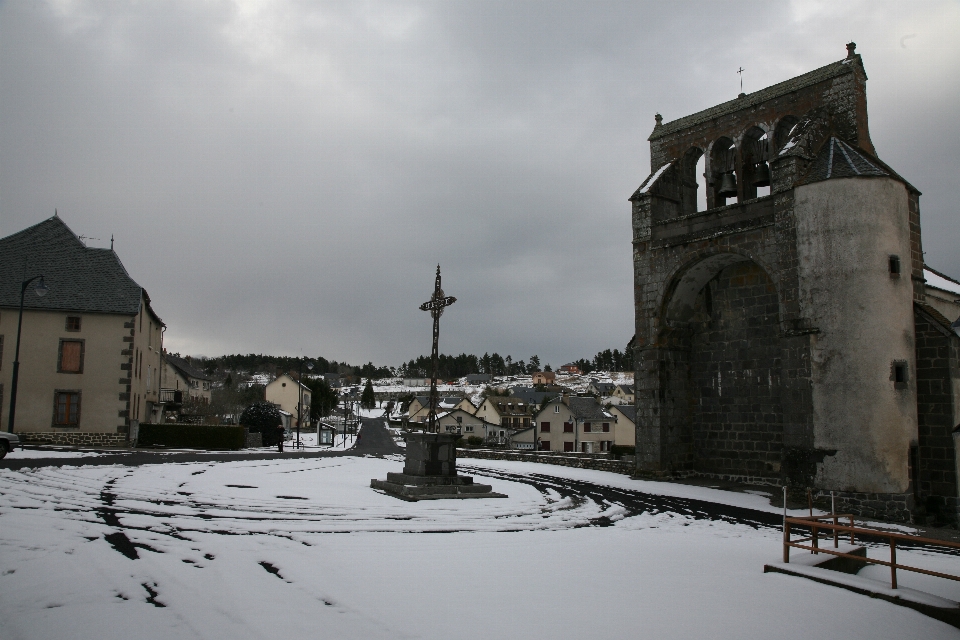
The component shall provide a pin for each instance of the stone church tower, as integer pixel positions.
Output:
(777, 325)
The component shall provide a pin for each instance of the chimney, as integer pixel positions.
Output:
(565, 398)
(851, 49)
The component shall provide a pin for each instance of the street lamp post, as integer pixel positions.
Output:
(41, 290)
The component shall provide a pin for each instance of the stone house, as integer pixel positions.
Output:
(570, 368)
(784, 333)
(179, 374)
(574, 423)
(90, 348)
(544, 377)
(508, 412)
(285, 392)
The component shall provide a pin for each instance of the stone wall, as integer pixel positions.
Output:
(580, 461)
(74, 438)
(935, 411)
(735, 371)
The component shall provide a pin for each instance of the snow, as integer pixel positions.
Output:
(41, 453)
(246, 549)
(653, 178)
(933, 280)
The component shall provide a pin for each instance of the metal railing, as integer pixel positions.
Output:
(816, 524)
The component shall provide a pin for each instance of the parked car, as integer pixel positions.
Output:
(8, 442)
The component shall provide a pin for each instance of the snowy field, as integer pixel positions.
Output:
(303, 548)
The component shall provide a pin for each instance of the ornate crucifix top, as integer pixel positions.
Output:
(435, 306)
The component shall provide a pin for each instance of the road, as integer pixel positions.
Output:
(373, 439)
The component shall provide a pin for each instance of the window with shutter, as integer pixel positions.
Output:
(71, 356)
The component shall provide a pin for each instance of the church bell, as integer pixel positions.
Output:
(728, 185)
(761, 175)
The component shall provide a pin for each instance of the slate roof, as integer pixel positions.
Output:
(629, 410)
(586, 409)
(503, 406)
(79, 278)
(840, 159)
(810, 78)
(531, 396)
(184, 367)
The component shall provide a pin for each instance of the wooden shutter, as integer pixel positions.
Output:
(70, 352)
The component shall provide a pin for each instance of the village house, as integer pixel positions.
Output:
(285, 393)
(90, 346)
(570, 368)
(601, 388)
(179, 374)
(508, 412)
(624, 393)
(466, 424)
(625, 428)
(574, 423)
(544, 377)
(419, 409)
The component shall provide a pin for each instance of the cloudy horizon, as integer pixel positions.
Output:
(283, 177)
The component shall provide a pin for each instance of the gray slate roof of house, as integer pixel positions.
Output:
(810, 78)
(184, 367)
(628, 410)
(79, 278)
(531, 396)
(586, 409)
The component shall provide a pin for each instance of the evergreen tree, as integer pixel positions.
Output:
(262, 418)
(367, 399)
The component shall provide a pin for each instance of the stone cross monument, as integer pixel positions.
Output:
(437, 303)
(430, 468)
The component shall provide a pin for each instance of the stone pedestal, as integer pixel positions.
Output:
(430, 472)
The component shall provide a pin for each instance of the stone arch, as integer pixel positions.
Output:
(720, 384)
(754, 154)
(690, 182)
(723, 161)
(688, 280)
(781, 132)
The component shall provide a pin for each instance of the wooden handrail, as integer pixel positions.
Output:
(815, 523)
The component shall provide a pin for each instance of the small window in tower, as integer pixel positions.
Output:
(73, 323)
(898, 374)
(894, 266)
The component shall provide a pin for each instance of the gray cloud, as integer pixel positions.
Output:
(285, 176)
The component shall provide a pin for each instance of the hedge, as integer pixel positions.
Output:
(191, 436)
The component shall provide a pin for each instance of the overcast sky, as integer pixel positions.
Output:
(283, 177)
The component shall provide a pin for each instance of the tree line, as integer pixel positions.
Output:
(451, 367)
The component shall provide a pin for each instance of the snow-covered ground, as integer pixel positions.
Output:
(303, 548)
(44, 453)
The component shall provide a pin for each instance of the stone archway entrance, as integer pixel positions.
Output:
(720, 386)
